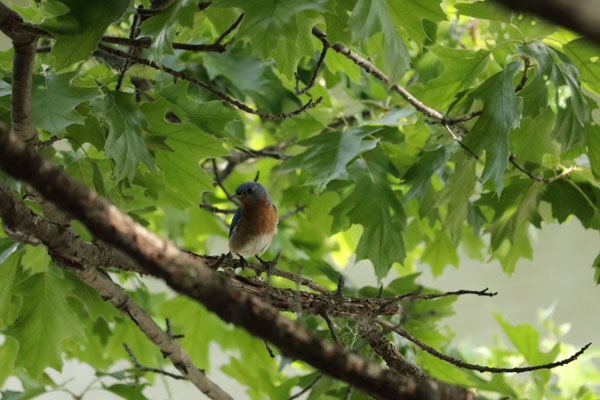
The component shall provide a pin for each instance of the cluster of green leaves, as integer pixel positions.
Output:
(392, 188)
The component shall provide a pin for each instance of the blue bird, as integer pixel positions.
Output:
(254, 223)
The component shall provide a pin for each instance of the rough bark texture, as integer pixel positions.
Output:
(24, 226)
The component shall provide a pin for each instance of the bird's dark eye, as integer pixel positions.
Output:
(251, 190)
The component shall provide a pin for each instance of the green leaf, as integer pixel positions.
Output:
(584, 55)
(91, 299)
(78, 32)
(90, 132)
(596, 265)
(44, 322)
(572, 106)
(186, 145)
(461, 68)
(592, 141)
(531, 140)
(509, 253)
(279, 29)
(35, 259)
(439, 252)
(127, 391)
(375, 206)
(54, 98)
(483, 10)
(161, 26)
(337, 19)
(567, 198)
(456, 193)
(505, 226)
(125, 143)
(8, 355)
(527, 340)
(500, 114)
(193, 319)
(371, 17)
(417, 177)
(8, 271)
(409, 15)
(441, 369)
(328, 154)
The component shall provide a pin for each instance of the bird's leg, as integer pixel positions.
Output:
(243, 262)
(266, 264)
(220, 261)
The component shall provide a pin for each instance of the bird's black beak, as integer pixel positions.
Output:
(236, 196)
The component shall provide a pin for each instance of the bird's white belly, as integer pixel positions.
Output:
(254, 247)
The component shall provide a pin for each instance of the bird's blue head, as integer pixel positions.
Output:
(251, 192)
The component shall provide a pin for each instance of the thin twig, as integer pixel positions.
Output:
(170, 333)
(521, 84)
(150, 369)
(330, 327)
(273, 151)
(297, 210)
(132, 35)
(313, 78)
(220, 183)
(216, 210)
(271, 354)
(49, 142)
(229, 30)
(512, 160)
(460, 142)
(307, 388)
(418, 295)
(454, 121)
(475, 367)
(146, 42)
(340, 286)
(206, 86)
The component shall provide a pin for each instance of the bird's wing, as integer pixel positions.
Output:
(236, 218)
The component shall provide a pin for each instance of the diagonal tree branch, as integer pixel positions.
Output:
(370, 68)
(22, 225)
(191, 276)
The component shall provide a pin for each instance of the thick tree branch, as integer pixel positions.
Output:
(206, 86)
(24, 44)
(65, 248)
(581, 16)
(190, 276)
(57, 238)
(387, 351)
